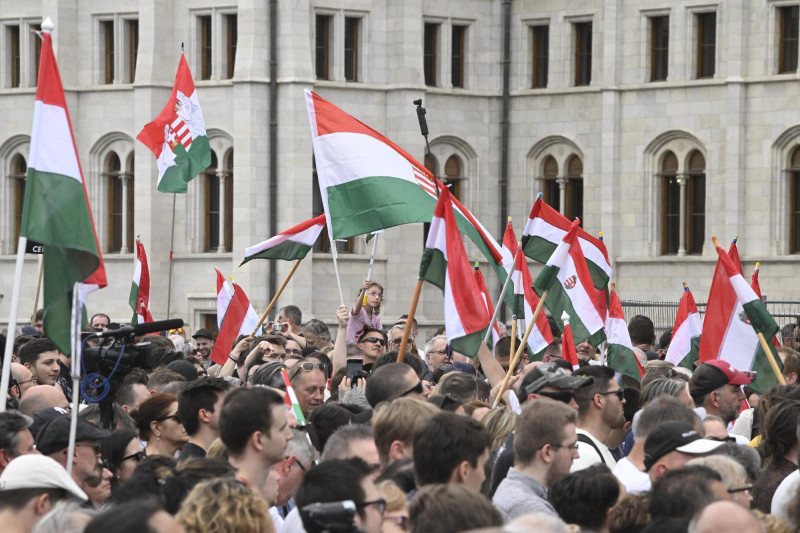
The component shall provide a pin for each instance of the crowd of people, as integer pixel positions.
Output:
(300, 430)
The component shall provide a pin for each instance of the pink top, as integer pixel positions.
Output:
(359, 323)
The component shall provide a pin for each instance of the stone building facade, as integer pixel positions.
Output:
(660, 123)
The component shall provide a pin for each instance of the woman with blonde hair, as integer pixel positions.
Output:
(222, 505)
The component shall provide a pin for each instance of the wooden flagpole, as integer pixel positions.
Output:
(410, 320)
(500, 302)
(520, 349)
(513, 337)
(12, 317)
(275, 298)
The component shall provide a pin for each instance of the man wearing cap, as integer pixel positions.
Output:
(716, 387)
(544, 448)
(29, 488)
(53, 440)
(204, 340)
(600, 410)
(15, 437)
(673, 444)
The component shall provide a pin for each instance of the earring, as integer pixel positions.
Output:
(158, 437)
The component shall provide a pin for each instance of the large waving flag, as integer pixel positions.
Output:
(546, 228)
(288, 245)
(445, 264)
(733, 316)
(568, 350)
(619, 349)
(571, 290)
(487, 300)
(56, 209)
(224, 296)
(177, 136)
(756, 286)
(525, 299)
(368, 183)
(233, 325)
(139, 298)
(684, 348)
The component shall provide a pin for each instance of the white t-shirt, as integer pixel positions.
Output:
(629, 475)
(784, 495)
(589, 456)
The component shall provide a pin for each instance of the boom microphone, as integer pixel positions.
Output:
(142, 329)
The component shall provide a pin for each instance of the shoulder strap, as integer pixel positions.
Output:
(586, 440)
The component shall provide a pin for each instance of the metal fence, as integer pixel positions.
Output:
(663, 313)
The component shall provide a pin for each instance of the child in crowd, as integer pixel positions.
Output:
(364, 313)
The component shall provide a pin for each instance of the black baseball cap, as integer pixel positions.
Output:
(550, 375)
(675, 436)
(54, 435)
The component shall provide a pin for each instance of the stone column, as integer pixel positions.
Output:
(123, 178)
(562, 194)
(682, 218)
(223, 176)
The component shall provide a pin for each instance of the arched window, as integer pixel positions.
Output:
(212, 205)
(119, 211)
(550, 193)
(695, 203)
(573, 205)
(794, 201)
(452, 175)
(19, 170)
(670, 204)
(431, 164)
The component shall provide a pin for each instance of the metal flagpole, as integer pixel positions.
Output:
(12, 318)
(75, 344)
(371, 264)
(171, 243)
(497, 307)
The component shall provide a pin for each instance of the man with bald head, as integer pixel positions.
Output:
(42, 396)
(21, 380)
(722, 517)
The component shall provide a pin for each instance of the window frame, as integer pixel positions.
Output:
(582, 52)
(458, 53)
(352, 32)
(322, 70)
(793, 172)
(131, 51)
(540, 61)
(230, 25)
(659, 55)
(430, 52)
(705, 50)
(107, 51)
(788, 43)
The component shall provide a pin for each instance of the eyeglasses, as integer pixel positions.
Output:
(168, 417)
(375, 294)
(95, 446)
(138, 456)
(379, 503)
(374, 340)
(568, 446)
(308, 367)
(746, 488)
(563, 397)
(619, 393)
(440, 352)
(295, 351)
(415, 389)
(400, 520)
(297, 462)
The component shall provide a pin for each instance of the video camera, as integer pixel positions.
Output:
(333, 517)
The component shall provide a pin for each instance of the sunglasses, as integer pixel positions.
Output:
(168, 417)
(619, 393)
(138, 456)
(415, 389)
(179, 331)
(308, 367)
(375, 340)
(379, 503)
(563, 397)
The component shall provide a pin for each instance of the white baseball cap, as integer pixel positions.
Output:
(33, 471)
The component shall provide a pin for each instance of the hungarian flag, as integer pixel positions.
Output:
(488, 300)
(525, 301)
(568, 351)
(232, 325)
(733, 316)
(570, 287)
(546, 228)
(290, 399)
(56, 209)
(445, 264)
(756, 286)
(619, 349)
(368, 183)
(177, 136)
(224, 296)
(288, 245)
(139, 298)
(684, 348)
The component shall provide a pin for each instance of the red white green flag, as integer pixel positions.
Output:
(487, 300)
(568, 351)
(756, 286)
(288, 245)
(56, 209)
(546, 228)
(445, 264)
(139, 298)
(368, 183)
(224, 296)
(525, 299)
(684, 347)
(232, 325)
(619, 348)
(177, 136)
(290, 399)
(734, 314)
(571, 290)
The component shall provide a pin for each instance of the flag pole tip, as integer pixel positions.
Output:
(685, 286)
(47, 25)
(565, 317)
(477, 265)
(758, 264)
(539, 196)
(613, 286)
(509, 220)
(600, 234)
(715, 241)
